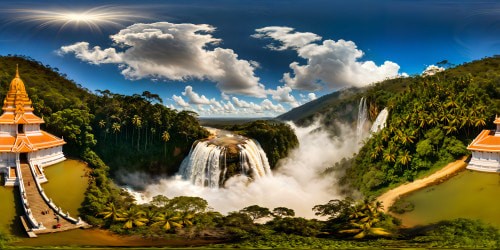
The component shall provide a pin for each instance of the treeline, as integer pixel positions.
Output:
(348, 224)
(133, 133)
(277, 139)
(429, 125)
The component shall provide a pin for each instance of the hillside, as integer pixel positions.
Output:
(342, 105)
(130, 133)
(429, 125)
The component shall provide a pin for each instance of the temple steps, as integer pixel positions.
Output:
(39, 207)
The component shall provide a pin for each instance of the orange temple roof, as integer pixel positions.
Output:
(29, 142)
(17, 106)
(18, 109)
(486, 141)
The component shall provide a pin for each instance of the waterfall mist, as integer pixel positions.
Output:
(296, 182)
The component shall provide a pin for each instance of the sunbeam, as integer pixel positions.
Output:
(93, 19)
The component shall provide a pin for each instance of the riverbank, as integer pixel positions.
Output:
(389, 197)
(104, 238)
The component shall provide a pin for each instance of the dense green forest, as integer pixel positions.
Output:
(128, 132)
(430, 123)
(431, 120)
(276, 138)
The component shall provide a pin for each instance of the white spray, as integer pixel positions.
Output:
(296, 183)
(380, 122)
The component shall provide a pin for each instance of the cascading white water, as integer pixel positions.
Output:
(362, 118)
(207, 163)
(380, 122)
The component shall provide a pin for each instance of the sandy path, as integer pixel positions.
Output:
(388, 198)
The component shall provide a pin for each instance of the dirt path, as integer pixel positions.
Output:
(389, 197)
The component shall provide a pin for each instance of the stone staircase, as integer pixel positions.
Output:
(39, 207)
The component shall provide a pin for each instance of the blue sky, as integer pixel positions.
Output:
(246, 58)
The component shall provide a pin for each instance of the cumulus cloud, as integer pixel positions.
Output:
(311, 96)
(282, 94)
(331, 64)
(172, 51)
(432, 70)
(196, 99)
(180, 101)
(286, 36)
(267, 105)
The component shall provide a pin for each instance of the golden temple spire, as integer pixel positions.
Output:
(17, 71)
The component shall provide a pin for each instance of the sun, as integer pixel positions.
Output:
(93, 19)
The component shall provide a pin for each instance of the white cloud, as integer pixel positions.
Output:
(282, 94)
(432, 70)
(267, 105)
(180, 101)
(195, 98)
(311, 96)
(224, 96)
(172, 51)
(240, 103)
(286, 36)
(331, 64)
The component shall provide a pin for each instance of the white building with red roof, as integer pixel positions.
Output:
(21, 140)
(486, 150)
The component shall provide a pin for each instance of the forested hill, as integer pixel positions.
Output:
(128, 132)
(429, 125)
(343, 105)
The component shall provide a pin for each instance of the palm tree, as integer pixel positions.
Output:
(480, 121)
(186, 219)
(102, 124)
(168, 220)
(133, 217)
(389, 155)
(363, 229)
(137, 122)
(362, 218)
(110, 212)
(165, 136)
(116, 128)
(404, 158)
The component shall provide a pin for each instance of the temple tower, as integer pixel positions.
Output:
(21, 140)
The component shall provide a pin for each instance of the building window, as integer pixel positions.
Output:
(20, 128)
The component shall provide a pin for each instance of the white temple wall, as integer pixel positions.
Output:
(485, 161)
(8, 129)
(7, 159)
(47, 157)
(32, 128)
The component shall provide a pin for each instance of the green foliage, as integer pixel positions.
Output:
(431, 121)
(296, 225)
(359, 219)
(280, 212)
(277, 139)
(461, 233)
(401, 207)
(4, 240)
(74, 126)
(188, 204)
(256, 212)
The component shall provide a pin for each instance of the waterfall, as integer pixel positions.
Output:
(362, 118)
(211, 162)
(380, 122)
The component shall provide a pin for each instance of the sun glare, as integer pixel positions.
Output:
(93, 19)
